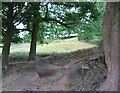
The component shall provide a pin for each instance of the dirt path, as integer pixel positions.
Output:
(29, 81)
(88, 76)
(60, 85)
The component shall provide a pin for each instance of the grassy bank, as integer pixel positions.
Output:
(56, 46)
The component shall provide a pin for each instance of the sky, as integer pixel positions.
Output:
(21, 26)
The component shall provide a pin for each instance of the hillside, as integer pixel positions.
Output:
(85, 64)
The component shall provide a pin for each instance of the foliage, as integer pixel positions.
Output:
(41, 33)
(27, 38)
(17, 39)
(92, 28)
(15, 11)
(60, 15)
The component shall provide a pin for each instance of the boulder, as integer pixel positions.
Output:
(74, 73)
(48, 71)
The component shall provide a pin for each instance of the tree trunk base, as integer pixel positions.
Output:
(110, 42)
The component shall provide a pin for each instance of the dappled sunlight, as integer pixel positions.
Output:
(53, 46)
(57, 46)
(63, 47)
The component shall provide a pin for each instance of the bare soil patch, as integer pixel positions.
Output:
(84, 71)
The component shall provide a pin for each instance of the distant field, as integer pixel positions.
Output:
(57, 46)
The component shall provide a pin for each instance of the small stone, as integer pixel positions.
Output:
(72, 88)
(85, 67)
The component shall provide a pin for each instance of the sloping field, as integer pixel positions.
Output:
(56, 46)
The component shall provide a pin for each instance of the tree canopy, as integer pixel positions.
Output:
(66, 14)
(46, 19)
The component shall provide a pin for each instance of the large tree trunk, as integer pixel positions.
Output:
(35, 28)
(110, 41)
(8, 37)
(33, 42)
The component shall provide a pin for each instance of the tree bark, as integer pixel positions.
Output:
(8, 37)
(33, 42)
(110, 42)
(35, 28)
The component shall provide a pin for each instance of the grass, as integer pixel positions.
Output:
(56, 46)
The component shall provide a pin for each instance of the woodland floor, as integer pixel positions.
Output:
(23, 76)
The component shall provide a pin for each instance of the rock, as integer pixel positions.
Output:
(73, 73)
(48, 71)
(72, 88)
(85, 67)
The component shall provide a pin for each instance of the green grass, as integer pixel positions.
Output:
(56, 46)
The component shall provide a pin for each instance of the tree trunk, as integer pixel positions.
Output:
(35, 28)
(110, 41)
(8, 37)
(33, 42)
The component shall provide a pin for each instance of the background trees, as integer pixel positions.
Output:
(66, 15)
(11, 14)
(35, 16)
(92, 27)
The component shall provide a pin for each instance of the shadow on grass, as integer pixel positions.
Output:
(19, 54)
(64, 57)
(95, 42)
(53, 56)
